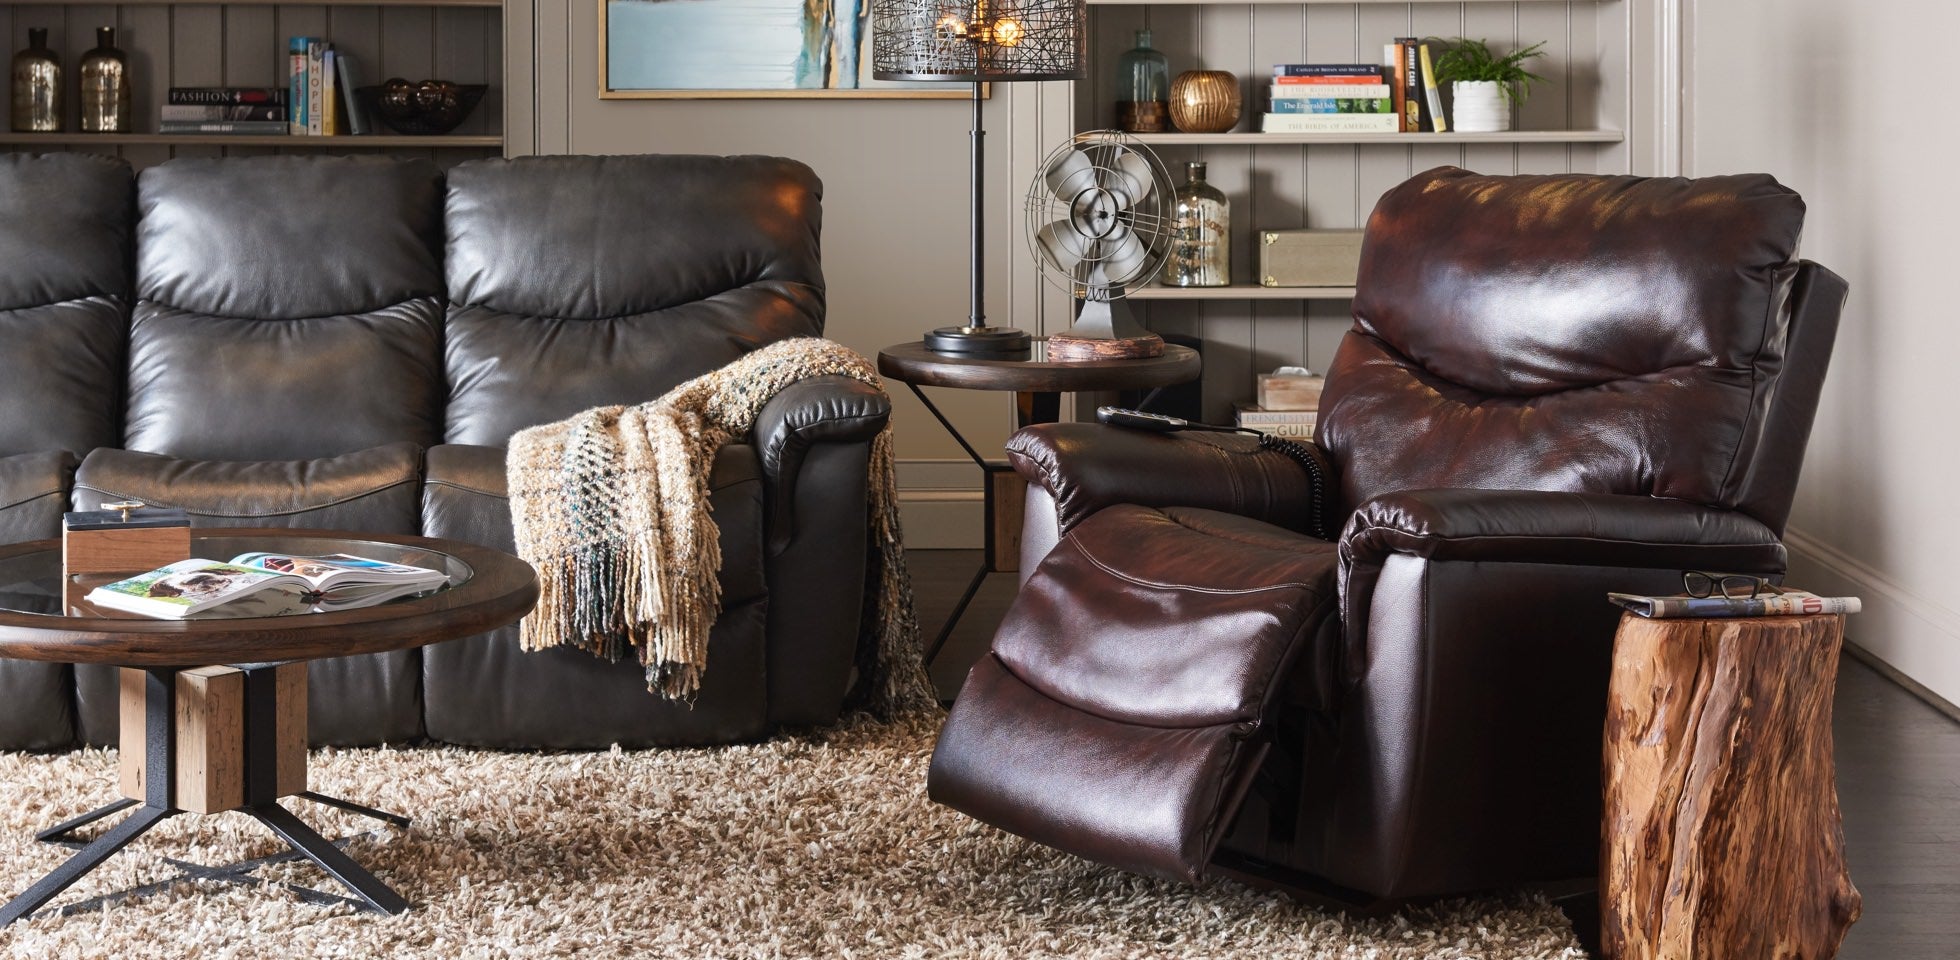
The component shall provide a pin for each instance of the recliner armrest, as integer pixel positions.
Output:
(1088, 466)
(1531, 526)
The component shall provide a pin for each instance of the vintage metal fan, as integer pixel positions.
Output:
(1099, 224)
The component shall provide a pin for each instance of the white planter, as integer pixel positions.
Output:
(1480, 107)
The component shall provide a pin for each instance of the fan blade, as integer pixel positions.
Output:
(1063, 245)
(1126, 257)
(1129, 179)
(1072, 176)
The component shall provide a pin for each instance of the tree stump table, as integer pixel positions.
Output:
(1722, 837)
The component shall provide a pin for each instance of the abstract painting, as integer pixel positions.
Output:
(744, 48)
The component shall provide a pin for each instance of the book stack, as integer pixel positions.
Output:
(1330, 98)
(320, 86)
(236, 111)
(1289, 404)
(1398, 96)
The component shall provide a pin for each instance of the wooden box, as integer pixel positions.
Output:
(1287, 391)
(1309, 258)
(210, 736)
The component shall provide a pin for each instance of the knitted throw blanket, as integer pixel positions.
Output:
(611, 507)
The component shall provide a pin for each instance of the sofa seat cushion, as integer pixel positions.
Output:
(487, 691)
(367, 699)
(374, 490)
(1121, 713)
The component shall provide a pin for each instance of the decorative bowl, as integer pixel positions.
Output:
(429, 108)
(1205, 101)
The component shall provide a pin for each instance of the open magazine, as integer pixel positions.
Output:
(273, 581)
(1790, 603)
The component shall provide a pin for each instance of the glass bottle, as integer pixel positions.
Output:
(1143, 89)
(37, 86)
(105, 86)
(1201, 234)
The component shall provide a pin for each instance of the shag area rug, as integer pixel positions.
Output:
(811, 846)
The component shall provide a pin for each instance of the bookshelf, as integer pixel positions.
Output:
(243, 43)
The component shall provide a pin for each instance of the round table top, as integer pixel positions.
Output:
(39, 621)
(913, 363)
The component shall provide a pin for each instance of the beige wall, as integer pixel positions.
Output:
(895, 198)
(1819, 93)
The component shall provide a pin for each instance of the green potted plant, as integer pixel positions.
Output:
(1483, 85)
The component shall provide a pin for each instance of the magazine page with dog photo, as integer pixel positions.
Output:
(190, 587)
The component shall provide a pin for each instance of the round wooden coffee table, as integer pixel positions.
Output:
(247, 746)
(1038, 384)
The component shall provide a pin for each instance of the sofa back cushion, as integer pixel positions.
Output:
(578, 282)
(65, 223)
(1571, 333)
(288, 307)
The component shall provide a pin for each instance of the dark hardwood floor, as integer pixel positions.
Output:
(1898, 776)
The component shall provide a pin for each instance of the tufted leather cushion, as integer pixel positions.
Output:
(289, 307)
(1575, 333)
(64, 294)
(589, 281)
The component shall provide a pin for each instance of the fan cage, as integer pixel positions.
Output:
(979, 41)
(1152, 223)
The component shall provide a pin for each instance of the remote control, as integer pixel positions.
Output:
(1139, 420)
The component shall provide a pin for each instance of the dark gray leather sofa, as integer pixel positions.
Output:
(347, 343)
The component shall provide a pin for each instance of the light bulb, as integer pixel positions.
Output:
(1007, 32)
(949, 27)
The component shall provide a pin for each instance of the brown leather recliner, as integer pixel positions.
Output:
(1554, 387)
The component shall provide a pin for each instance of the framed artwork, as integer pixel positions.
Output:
(706, 49)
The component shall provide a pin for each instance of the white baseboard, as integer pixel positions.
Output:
(1907, 637)
(941, 505)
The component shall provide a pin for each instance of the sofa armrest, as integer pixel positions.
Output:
(1085, 467)
(829, 409)
(1531, 526)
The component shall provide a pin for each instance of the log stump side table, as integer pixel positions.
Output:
(1722, 838)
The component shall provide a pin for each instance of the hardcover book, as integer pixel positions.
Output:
(226, 96)
(1330, 123)
(215, 112)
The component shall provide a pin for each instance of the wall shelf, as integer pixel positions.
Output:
(1399, 139)
(284, 3)
(1241, 291)
(231, 140)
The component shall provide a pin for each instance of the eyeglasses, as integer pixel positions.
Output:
(1736, 586)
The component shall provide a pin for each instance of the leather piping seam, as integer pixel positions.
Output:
(527, 316)
(1217, 591)
(466, 488)
(1247, 541)
(31, 498)
(1408, 362)
(121, 301)
(438, 298)
(1008, 669)
(276, 513)
(1398, 533)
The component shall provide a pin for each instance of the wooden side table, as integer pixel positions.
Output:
(1038, 384)
(1722, 838)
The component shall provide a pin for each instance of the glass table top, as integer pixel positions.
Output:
(32, 583)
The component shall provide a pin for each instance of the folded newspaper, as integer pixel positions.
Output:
(1792, 603)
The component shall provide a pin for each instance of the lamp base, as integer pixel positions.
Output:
(979, 341)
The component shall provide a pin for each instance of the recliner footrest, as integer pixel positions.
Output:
(1119, 715)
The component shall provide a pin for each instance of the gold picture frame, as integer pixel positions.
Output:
(924, 91)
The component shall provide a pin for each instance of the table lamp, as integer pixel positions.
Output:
(976, 42)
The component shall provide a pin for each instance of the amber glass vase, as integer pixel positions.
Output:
(37, 86)
(105, 86)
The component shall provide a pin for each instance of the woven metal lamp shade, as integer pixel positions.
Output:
(979, 41)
